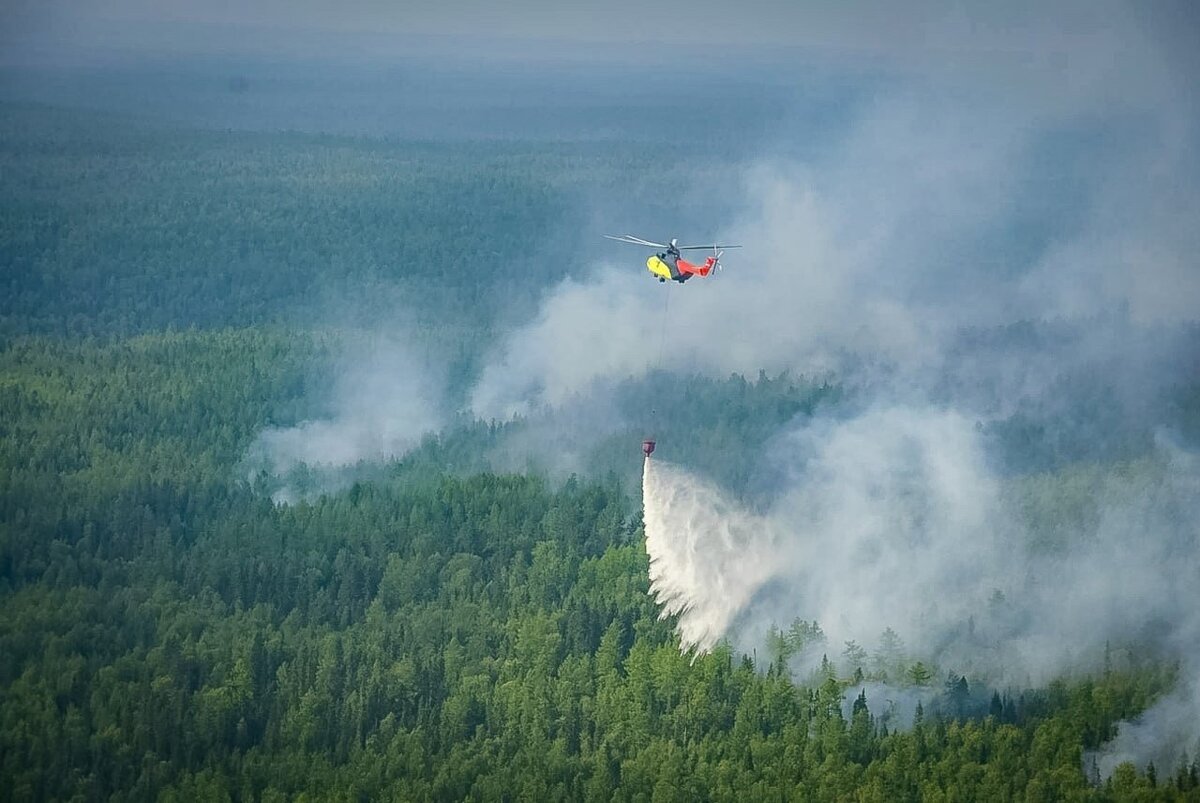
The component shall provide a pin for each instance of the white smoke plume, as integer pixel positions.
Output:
(384, 399)
(787, 302)
(893, 519)
(1157, 590)
(1056, 192)
(1044, 171)
(1164, 735)
(982, 177)
(585, 331)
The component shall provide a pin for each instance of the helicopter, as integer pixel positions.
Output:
(669, 264)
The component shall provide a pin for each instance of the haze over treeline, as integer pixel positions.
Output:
(321, 398)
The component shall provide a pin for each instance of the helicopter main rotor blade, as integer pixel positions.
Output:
(629, 238)
(705, 247)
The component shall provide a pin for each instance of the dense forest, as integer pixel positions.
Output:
(118, 227)
(432, 630)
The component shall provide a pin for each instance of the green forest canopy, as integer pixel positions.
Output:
(167, 632)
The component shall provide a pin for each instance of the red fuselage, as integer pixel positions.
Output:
(697, 270)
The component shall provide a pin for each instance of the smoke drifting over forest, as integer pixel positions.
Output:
(971, 250)
(893, 520)
(961, 257)
(381, 404)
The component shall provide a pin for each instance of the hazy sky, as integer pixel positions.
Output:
(911, 34)
(871, 24)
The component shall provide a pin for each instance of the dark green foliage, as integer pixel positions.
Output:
(111, 227)
(428, 632)
(166, 632)
(717, 427)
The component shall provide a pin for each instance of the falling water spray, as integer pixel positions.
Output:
(707, 556)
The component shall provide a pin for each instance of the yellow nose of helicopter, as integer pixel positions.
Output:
(658, 268)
